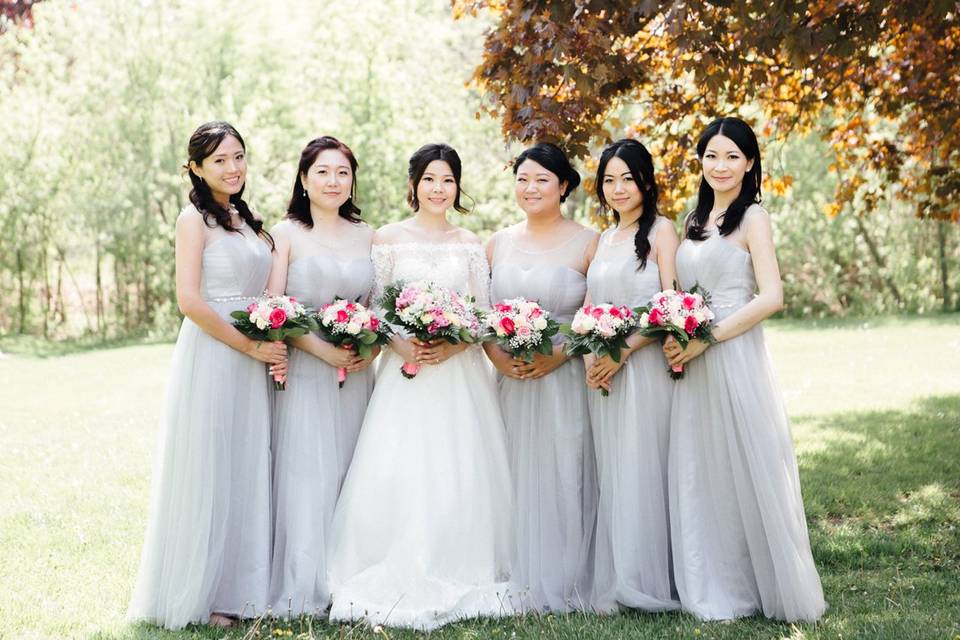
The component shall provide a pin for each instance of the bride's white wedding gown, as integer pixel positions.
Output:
(421, 532)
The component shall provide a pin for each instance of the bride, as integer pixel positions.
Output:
(421, 532)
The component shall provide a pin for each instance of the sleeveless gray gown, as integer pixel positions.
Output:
(315, 429)
(631, 428)
(549, 437)
(207, 546)
(740, 542)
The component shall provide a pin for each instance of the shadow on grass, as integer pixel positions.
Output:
(886, 482)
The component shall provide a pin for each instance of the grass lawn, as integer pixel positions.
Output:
(876, 419)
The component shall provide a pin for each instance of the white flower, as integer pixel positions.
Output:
(540, 323)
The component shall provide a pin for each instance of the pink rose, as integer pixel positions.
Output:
(374, 323)
(596, 312)
(342, 316)
(690, 325)
(689, 302)
(277, 318)
(507, 325)
(251, 307)
(615, 312)
(655, 317)
(524, 332)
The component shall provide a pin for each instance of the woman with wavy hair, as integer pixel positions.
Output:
(634, 260)
(206, 557)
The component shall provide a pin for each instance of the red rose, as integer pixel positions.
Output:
(690, 325)
(615, 312)
(507, 325)
(277, 318)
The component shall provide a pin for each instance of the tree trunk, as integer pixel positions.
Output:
(100, 323)
(22, 296)
(872, 246)
(944, 272)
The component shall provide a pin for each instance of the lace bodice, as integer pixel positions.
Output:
(457, 265)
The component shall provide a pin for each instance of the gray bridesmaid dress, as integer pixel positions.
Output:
(207, 547)
(631, 429)
(315, 429)
(548, 433)
(740, 542)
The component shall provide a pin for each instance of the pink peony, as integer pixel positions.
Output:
(277, 318)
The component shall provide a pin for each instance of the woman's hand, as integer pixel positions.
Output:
(270, 352)
(603, 370)
(502, 360)
(541, 365)
(339, 357)
(680, 356)
(436, 351)
(404, 348)
(364, 362)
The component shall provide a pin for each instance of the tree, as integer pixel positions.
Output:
(880, 81)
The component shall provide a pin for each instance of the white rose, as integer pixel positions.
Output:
(540, 323)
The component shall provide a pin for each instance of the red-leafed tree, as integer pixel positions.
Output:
(879, 80)
(19, 11)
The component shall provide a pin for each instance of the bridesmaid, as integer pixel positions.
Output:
(323, 252)
(634, 260)
(544, 404)
(740, 540)
(206, 556)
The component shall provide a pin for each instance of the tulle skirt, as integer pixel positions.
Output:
(631, 428)
(554, 487)
(422, 530)
(315, 428)
(740, 542)
(207, 546)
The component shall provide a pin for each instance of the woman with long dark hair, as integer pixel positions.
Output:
(544, 403)
(323, 253)
(206, 557)
(740, 542)
(633, 261)
(421, 533)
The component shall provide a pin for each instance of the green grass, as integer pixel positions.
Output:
(876, 419)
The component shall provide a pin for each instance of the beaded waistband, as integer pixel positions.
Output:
(232, 299)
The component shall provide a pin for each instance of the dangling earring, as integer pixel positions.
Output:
(304, 193)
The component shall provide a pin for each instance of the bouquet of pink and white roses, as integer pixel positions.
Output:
(600, 329)
(352, 326)
(685, 315)
(273, 318)
(428, 311)
(520, 327)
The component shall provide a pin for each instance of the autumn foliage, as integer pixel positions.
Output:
(879, 80)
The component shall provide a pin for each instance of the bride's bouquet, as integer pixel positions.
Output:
(428, 311)
(352, 326)
(520, 327)
(600, 329)
(271, 318)
(685, 315)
